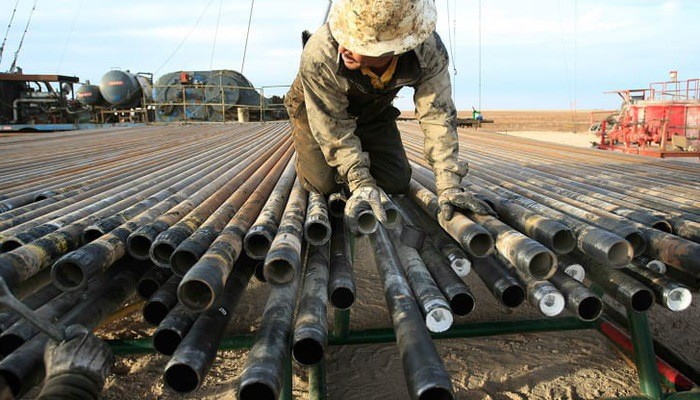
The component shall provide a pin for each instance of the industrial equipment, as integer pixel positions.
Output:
(28, 101)
(660, 121)
(219, 95)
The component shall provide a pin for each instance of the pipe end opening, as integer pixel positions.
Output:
(439, 320)
(146, 288)
(91, 234)
(256, 391)
(308, 351)
(462, 304)
(639, 244)
(393, 217)
(154, 312)
(181, 261)
(279, 272)
(513, 296)
(257, 246)
(619, 254)
(196, 295)
(542, 265)
(679, 299)
(342, 298)
(590, 309)
(436, 393)
(10, 342)
(367, 223)
(68, 275)
(480, 245)
(165, 341)
(563, 242)
(181, 378)
(9, 245)
(139, 246)
(642, 300)
(336, 207)
(162, 252)
(317, 233)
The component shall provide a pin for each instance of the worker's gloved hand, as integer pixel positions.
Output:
(364, 198)
(452, 198)
(80, 353)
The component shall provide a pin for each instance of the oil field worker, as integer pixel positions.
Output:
(340, 105)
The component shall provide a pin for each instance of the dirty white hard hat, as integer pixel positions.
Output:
(382, 27)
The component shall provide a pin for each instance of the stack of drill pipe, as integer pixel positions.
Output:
(21, 263)
(525, 170)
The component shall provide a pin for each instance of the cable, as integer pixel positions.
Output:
(245, 47)
(185, 38)
(216, 33)
(26, 28)
(449, 41)
(9, 24)
(70, 34)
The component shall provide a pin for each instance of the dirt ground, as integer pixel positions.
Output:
(568, 365)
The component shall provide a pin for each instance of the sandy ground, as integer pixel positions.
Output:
(564, 365)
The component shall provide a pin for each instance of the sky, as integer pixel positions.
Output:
(535, 54)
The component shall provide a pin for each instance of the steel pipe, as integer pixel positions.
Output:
(152, 281)
(500, 281)
(460, 298)
(172, 329)
(317, 226)
(580, 300)
(341, 283)
(192, 359)
(668, 293)
(162, 301)
(310, 329)
(426, 377)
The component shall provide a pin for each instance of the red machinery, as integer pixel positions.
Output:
(661, 121)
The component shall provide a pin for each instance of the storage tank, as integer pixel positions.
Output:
(123, 89)
(89, 95)
(205, 96)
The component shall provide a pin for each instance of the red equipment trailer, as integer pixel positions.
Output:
(661, 121)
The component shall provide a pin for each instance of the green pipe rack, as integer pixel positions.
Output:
(644, 356)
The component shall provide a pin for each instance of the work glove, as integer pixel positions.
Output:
(452, 198)
(80, 353)
(366, 197)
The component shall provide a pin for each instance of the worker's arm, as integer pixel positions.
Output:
(326, 107)
(437, 116)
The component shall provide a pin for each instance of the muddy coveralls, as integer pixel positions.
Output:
(344, 130)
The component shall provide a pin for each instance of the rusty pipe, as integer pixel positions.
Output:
(310, 335)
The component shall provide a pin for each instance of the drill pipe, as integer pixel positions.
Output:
(192, 359)
(572, 268)
(283, 261)
(24, 368)
(336, 204)
(103, 184)
(556, 236)
(106, 204)
(341, 283)
(264, 369)
(204, 283)
(624, 289)
(431, 302)
(425, 375)
(500, 281)
(447, 246)
(580, 300)
(152, 280)
(317, 227)
(27, 260)
(544, 296)
(650, 264)
(599, 244)
(21, 331)
(171, 228)
(259, 185)
(526, 254)
(310, 329)
(172, 329)
(162, 301)
(33, 301)
(471, 236)
(73, 270)
(393, 216)
(259, 237)
(455, 290)
(217, 207)
(668, 293)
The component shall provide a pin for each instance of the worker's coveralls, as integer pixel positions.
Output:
(344, 129)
